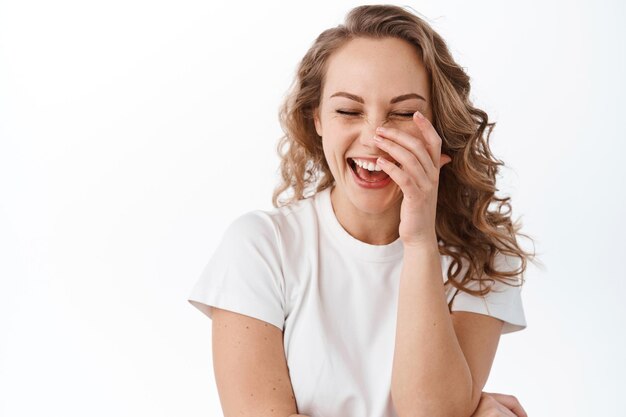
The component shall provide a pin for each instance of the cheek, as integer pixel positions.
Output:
(338, 132)
(345, 124)
(330, 149)
(335, 146)
(343, 132)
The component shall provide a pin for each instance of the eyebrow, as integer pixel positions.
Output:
(392, 101)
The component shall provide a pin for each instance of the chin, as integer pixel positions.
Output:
(370, 205)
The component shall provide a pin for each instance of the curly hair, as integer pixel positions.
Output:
(466, 228)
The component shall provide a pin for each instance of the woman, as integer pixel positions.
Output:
(384, 291)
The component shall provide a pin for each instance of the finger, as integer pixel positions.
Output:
(414, 145)
(511, 403)
(408, 161)
(506, 412)
(489, 406)
(399, 176)
(431, 137)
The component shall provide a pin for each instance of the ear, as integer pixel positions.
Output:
(316, 120)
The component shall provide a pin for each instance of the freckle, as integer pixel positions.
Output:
(252, 395)
(265, 338)
(247, 327)
(274, 388)
(272, 409)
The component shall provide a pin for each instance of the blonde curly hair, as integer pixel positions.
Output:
(466, 227)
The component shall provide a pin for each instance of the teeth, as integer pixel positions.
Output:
(370, 166)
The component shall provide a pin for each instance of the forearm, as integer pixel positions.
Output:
(430, 376)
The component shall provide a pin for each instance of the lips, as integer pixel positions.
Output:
(371, 183)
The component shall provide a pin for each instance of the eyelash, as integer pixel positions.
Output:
(347, 113)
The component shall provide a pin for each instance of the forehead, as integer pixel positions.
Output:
(366, 67)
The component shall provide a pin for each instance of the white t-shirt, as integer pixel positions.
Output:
(333, 296)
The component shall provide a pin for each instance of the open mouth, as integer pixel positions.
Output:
(370, 173)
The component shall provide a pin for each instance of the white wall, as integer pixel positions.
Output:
(132, 132)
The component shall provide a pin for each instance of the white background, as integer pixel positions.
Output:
(132, 132)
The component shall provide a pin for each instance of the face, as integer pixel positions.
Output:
(369, 83)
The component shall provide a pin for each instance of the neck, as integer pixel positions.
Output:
(372, 228)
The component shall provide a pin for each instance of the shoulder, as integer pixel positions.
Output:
(293, 219)
(250, 224)
(277, 226)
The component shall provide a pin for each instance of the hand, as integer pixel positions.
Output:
(418, 178)
(499, 405)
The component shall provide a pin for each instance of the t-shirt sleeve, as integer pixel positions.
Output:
(503, 301)
(244, 275)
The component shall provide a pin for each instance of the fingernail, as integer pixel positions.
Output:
(381, 129)
(378, 139)
(419, 115)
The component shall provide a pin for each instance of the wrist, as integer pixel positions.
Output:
(426, 243)
(420, 252)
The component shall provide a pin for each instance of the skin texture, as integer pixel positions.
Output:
(250, 367)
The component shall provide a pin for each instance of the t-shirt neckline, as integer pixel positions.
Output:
(365, 251)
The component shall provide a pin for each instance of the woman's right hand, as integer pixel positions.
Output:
(499, 405)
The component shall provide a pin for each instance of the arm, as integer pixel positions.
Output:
(250, 367)
(441, 360)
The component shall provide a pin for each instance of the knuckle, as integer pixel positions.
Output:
(419, 145)
(489, 401)
(391, 130)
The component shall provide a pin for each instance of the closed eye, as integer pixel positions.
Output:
(349, 113)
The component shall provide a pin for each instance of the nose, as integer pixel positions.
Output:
(368, 131)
